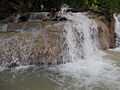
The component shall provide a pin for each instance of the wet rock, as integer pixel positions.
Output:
(23, 18)
(63, 19)
(12, 65)
(106, 34)
(44, 16)
(76, 10)
(59, 18)
(112, 34)
(11, 19)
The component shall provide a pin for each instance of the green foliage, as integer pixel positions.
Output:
(75, 3)
(100, 5)
(107, 7)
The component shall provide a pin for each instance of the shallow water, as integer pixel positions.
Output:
(25, 80)
(71, 76)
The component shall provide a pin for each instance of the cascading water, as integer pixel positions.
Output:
(117, 29)
(81, 37)
(87, 69)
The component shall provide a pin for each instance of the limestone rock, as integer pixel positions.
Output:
(34, 43)
(106, 34)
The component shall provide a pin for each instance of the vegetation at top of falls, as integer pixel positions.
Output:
(105, 7)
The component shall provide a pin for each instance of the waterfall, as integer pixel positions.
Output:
(86, 69)
(81, 36)
(117, 24)
(117, 29)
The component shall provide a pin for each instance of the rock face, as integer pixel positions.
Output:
(106, 33)
(35, 43)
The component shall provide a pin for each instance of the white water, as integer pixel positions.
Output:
(87, 69)
(117, 24)
(81, 37)
(117, 29)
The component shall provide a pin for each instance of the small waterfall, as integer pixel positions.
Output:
(117, 24)
(86, 68)
(117, 29)
(81, 36)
